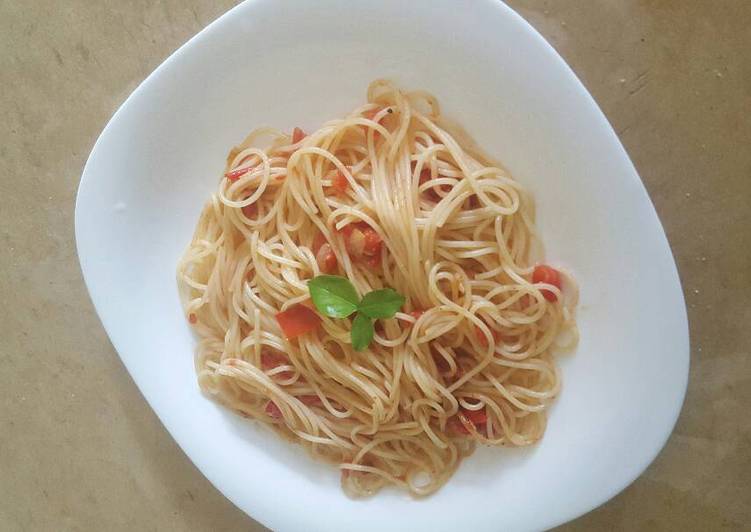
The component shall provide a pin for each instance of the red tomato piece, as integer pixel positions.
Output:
(296, 320)
(417, 313)
(339, 184)
(426, 176)
(477, 417)
(237, 173)
(297, 135)
(250, 211)
(372, 241)
(355, 243)
(271, 360)
(440, 362)
(362, 241)
(273, 411)
(310, 400)
(546, 274)
(318, 241)
(326, 258)
(374, 261)
(346, 231)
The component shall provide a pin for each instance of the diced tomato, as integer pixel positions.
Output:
(310, 400)
(318, 241)
(477, 417)
(326, 258)
(426, 176)
(297, 135)
(346, 231)
(372, 241)
(250, 211)
(417, 313)
(483, 339)
(192, 318)
(273, 411)
(237, 173)
(271, 360)
(339, 184)
(356, 242)
(363, 242)
(374, 261)
(296, 320)
(546, 274)
(440, 362)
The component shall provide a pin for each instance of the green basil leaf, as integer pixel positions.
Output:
(333, 295)
(381, 303)
(362, 332)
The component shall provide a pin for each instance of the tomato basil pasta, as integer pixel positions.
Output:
(374, 292)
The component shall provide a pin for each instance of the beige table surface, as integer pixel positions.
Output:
(79, 447)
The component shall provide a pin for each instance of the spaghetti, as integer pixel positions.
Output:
(387, 198)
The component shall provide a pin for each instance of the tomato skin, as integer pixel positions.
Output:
(326, 258)
(363, 242)
(346, 231)
(355, 242)
(545, 274)
(440, 363)
(373, 241)
(339, 184)
(270, 360)
(236, 174)
(374, 261)
(273, 411)
(310, 400)
(318, 241)
(425, 176)
(250, 211)
(477, 417)
(297, 135)
(296, 320)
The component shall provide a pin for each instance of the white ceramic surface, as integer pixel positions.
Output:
(294, 62)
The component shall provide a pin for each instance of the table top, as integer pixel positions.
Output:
(79, 447)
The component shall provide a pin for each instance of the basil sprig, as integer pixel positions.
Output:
(335, 297)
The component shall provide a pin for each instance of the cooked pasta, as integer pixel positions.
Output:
(385, 197)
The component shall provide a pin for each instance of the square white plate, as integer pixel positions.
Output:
(293, 62)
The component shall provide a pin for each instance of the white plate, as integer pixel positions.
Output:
(301, 63)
